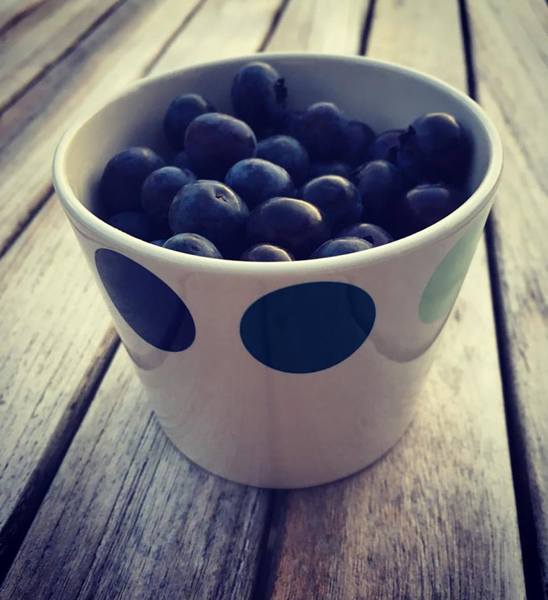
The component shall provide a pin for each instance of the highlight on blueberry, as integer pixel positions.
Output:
(339, 246)
(293, 224)
(192, 243)
(256, 180)
(266, 253)
(336, 197)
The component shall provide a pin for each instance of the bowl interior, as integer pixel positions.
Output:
(382, 95)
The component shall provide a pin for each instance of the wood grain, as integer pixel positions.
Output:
(37, 42)
(54, 327)
(251, 21)
(436, 517)
(36, 369)
(54, 330)
(118, 51)
(511, 71)
(314, 25)
(13, 11)
(128, 517)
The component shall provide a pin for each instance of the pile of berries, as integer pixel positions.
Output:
(273, 184)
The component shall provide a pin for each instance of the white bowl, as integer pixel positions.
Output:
(320, 378)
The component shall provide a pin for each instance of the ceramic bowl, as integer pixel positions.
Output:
(280, 374)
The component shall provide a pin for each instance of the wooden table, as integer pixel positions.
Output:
(94, 501)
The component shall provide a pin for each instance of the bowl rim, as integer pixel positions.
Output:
(454, 222)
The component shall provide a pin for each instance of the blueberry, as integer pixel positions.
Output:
(322, 130)
(158, 242)
(435, 147)
(214, 142)
(192, 243)
(342, 245)
(381, 187)
(359, 137)
(124, 174)
(336, 197)
(131, 222)
(179, 115)
(426, 204)
(375, 235)
(317, 169)
(211, 209)
(259, 95)
(287, 152)
(266, 253)
(256, 180)
(181, 160)
(290, 122)
(293, 224)
(385, 146)
(160, 188)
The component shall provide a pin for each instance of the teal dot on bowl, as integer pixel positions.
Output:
(308, 327)
(443, 287)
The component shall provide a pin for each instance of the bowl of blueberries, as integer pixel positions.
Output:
(280, 239)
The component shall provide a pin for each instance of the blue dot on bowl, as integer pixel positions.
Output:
(308, 327)
(147, 304)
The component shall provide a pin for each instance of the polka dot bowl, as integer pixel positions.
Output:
(280, 374)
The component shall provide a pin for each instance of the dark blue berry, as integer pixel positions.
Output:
(293, 224)
(317, 169)
(215, 141)
(159, 189)
(256, 180)
(359, 137)
(342, 245)
(336, 197)
(124, 174)
(213, 210)
(192, 243)
(132, 222)
(322, 130)
(158, 242)
(287, 152)
(290, 122)
(385, 145)
(266, 253)
(181, 160)
(259, 95)
(425, 205)
(179, 115)
(381, 187)
(435, 148)
(375, 235)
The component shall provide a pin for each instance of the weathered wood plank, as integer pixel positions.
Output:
(319, 26)
(35, 43)
(249, 21)
(118, 51)
(436, 517)
(54, 327)
(128, 517)
(27, 389)
(511, 63)
(13, 11)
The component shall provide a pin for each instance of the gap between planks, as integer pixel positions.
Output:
(529, 509)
